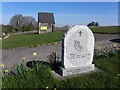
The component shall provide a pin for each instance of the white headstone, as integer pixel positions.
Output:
(77, 50)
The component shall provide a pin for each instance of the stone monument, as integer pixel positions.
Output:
(77, 51)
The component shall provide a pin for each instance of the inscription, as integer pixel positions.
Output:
(76, 56)
(81, 70)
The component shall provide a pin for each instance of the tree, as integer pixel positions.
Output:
(21, 24)
(93, 24)
(96, 24)
(28, 23)
(16, 21)
(90, 24)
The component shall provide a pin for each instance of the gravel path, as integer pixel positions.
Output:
(14, 56)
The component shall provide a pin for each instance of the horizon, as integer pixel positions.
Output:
(65, 13)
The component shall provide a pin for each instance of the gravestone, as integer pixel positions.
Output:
(77, 51)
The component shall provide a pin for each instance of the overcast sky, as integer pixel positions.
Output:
(65, 13)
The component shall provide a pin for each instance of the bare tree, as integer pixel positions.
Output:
(21, 23)
(28, 23)
(16, 22)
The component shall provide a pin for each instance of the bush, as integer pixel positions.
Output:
(7, 29)
(54, 60)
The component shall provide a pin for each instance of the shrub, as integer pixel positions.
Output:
(54, 60)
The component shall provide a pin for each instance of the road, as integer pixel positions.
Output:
(14, 56)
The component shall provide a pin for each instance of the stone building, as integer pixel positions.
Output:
(46, 22)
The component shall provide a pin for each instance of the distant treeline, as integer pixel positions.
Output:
(19, 23)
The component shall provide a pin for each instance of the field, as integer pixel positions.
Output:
(41, 77)
(106, 29)
(36, 39)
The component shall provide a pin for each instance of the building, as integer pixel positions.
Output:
(46, 22)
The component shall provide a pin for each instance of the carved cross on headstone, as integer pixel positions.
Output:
(80, 33)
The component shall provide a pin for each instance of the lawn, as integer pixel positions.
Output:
(31, 39)
(41, 77)
(106, 29)
(36, 39)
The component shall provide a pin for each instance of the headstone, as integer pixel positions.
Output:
(77, 51)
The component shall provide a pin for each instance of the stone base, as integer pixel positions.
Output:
(76, 70)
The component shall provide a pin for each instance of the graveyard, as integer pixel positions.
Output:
(60, 45)
(38, 74)
(41, 77)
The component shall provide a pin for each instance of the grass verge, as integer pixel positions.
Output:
(40, 76)
(106, 29)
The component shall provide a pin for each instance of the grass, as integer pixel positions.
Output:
(106, 29)
(31, 39)
(40, 76)
(36, 39)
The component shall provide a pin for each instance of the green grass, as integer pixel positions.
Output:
(40, 77)
(106, 29)
(36, 39)
(31, 39)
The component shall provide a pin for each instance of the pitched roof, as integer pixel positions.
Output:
(46, 18)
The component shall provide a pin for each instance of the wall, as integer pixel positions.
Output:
(50, 26)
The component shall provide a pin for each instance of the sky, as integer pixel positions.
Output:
(65, 13)
(60, 0)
